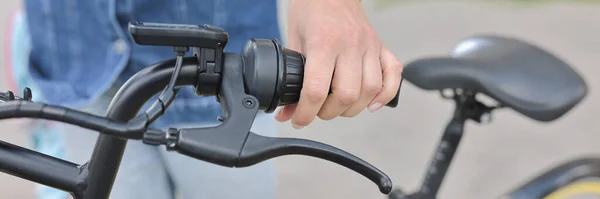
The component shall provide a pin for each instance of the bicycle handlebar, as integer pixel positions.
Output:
(231, 143)
(262, 77)
(276, 80)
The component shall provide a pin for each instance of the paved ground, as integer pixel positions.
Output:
(492, 159)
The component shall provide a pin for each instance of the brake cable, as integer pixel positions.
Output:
(23, 107)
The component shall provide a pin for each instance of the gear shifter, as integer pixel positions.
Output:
(263, 77)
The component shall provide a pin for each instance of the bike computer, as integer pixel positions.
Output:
(164, 34)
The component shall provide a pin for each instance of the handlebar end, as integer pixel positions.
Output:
(385, 185)
(394, 101)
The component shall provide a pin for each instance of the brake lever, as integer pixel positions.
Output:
(259, 148)
(231, 144)
(239, 151)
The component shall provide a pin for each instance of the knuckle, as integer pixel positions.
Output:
(347, 96)
(303, 120)
(372, 88)
(376, 44)
(354, 37)
(326, 36)
(326, 117)
(396, 68)
(346, 115)
(314, 95)
(373, 36)
(350, 114)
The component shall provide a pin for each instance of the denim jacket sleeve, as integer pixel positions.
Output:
(80, 49)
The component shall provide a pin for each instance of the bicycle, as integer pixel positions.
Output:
(517, 75)
(262, 77)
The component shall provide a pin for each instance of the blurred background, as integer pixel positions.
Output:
(491, 160)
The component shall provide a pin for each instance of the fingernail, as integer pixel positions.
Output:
(297, 126)
(374, 107)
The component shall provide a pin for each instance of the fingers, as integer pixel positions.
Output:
(392, 72)
(345, 87)
(358, 82)
(318, 72)
(285, 113)
(371, 81)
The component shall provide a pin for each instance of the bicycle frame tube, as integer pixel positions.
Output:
(38, 167)
(444, 153)
(130, 98)
(466, 107)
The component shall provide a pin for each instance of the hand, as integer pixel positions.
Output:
(342, 52)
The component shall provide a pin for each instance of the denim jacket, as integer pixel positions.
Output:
(79, 49)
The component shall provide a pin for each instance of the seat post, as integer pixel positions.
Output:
(466, 107)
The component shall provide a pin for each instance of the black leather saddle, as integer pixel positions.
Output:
(517, 74)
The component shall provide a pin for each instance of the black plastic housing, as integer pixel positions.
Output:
(160, 34)
(272, 74)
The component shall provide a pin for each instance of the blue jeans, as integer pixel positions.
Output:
(146, 171)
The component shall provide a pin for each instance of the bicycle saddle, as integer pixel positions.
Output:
(516, 74)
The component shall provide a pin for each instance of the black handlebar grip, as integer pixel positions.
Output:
(293, 70)
(274, 75)
(293, 76)
(394, 102)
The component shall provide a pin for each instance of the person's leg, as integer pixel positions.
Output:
(195, 179)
